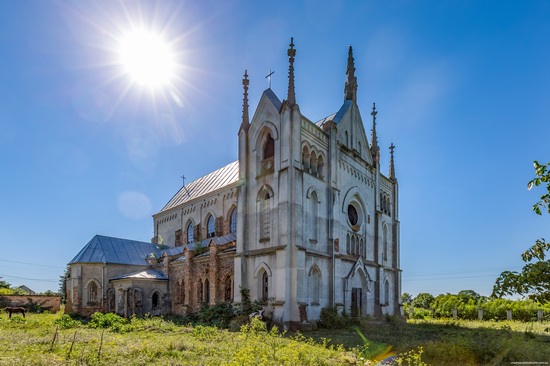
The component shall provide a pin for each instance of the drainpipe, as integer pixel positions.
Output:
(103, 286)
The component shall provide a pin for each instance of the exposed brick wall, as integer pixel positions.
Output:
(50, 303)
(194, 271)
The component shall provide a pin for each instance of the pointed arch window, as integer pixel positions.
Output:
(265, 286)
(155, 300)
(305, 159)
(228, 289)
(265, 216)
(269, 147)
(348, 245)
(210, 227)
(314, 216)
(321, 167)
(200, 291)
(206, 291)
(386, 292)
(93, 293)
(182, 294)
(314, 286)
(313, 161)
(385, 242)
(233, 221)
(190, 232)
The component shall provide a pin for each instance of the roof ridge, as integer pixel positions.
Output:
(205, 184)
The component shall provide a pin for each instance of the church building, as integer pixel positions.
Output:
(305, 219)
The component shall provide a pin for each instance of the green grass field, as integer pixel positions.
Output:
(154, 341)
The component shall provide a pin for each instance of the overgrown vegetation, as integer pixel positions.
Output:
(107, 339)
(468, 303)
(330, 319)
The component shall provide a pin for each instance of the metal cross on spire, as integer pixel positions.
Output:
(268, 77)
(184, 187)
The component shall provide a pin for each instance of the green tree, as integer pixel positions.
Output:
(406, 298)
(4, 284)
(63, 285)
(423, 300)
(469, 295)
(534, 279)
(542, 177)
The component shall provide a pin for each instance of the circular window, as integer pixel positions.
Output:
(352, 215)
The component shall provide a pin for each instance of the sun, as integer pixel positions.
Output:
(147, 58)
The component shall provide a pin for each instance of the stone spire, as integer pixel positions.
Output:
(245, 124)
(350, 90)
(392, 167)
(374, 149)
(291, 97)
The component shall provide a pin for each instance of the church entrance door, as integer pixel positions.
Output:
(356, 301)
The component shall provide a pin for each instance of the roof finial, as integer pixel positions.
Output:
(392, 167)
(350, 90)
(291, 97)
(245, 124)
(374, 149)
(268, 77)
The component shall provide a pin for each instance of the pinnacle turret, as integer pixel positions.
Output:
(245, 124)
(291, 96)
(392, 166)
(374, 149)
(350, 90)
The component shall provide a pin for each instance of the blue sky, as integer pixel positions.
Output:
(461, 88)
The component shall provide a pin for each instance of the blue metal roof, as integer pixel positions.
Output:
(273, 98)
(106, 249)
(217, 179)
(336, 117)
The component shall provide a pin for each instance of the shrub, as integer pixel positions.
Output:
(66, 321)
(108, 320)
(218, 315)
(330, 319)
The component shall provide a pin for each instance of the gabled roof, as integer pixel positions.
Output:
(336, 117)
(106, 249)
(273, 98)
(204, 185)
(149, 274)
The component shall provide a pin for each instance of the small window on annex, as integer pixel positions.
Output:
(92, 292)
(155, 300)
(190, 232)
(210, 227)
(233, 221)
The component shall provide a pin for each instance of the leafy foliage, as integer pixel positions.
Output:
(63, 285)
(423, 300)
(534, 279)
(406, 298)
(330, 319)
(108, 320)
(217, 316)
